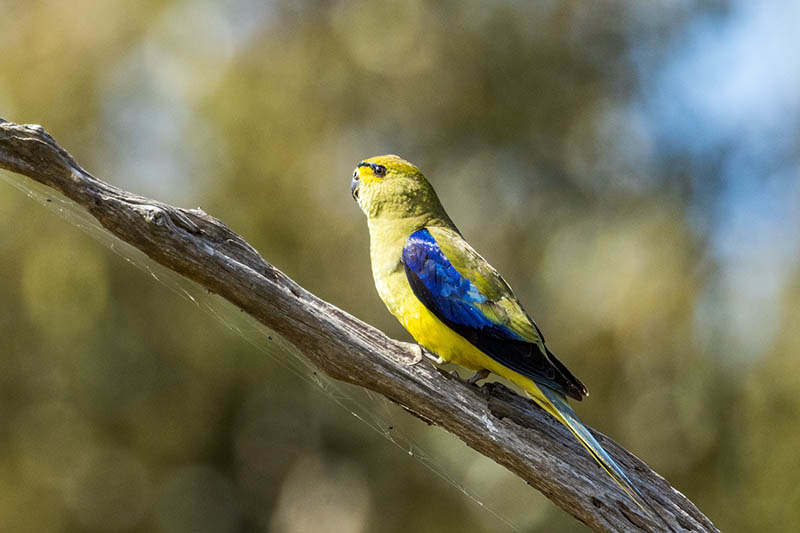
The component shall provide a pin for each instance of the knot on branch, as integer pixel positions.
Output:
(154, 215)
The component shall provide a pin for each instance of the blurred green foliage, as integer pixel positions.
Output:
(123, 408)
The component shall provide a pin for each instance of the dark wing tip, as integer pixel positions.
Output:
(574, 388)
(577, 393)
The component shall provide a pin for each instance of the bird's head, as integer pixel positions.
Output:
(387, 186)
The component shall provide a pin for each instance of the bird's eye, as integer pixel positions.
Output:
(379, 170)
(355, 174)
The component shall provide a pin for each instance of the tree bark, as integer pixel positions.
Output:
(491, 419)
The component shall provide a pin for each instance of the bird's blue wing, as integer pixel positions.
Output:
(457, 301)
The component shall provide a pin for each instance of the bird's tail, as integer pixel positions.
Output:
(561, 410)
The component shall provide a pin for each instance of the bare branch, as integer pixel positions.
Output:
(492, 419)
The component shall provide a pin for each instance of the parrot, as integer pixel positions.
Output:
(455, 304)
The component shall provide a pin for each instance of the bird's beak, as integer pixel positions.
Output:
(354, 186)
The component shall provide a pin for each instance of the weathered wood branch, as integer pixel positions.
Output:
(491, 419)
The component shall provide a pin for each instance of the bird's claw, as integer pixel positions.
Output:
(420, 352)
(474, 378)
(417, 349)
(477, 376)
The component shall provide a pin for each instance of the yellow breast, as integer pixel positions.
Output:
(428, 330)
(394, 289)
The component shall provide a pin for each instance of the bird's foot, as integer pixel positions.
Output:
(474, 378)
(417, 349)
(420, 352)
(477, 376)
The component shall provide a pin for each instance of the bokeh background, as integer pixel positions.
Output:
(631, 167)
